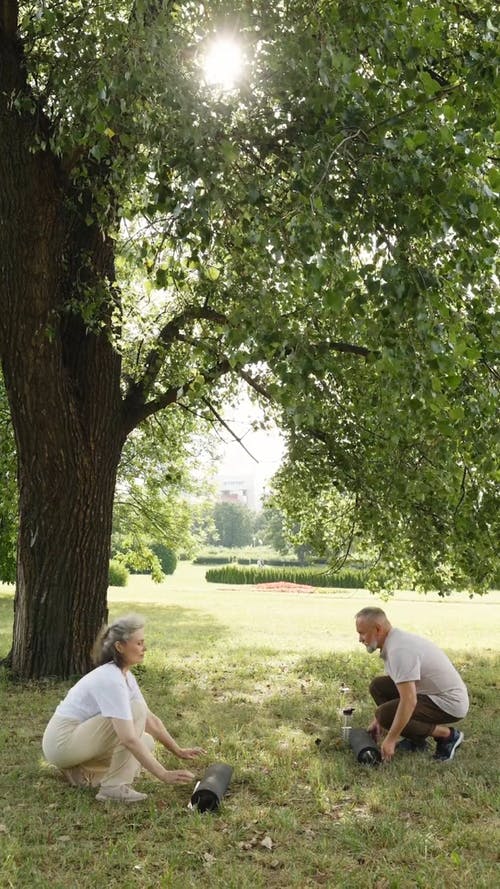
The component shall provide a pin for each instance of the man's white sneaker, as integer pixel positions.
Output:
(122, 793)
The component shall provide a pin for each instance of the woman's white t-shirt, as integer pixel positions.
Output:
(105, 691)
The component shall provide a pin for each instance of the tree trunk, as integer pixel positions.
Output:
(63, 385)
(66, 509)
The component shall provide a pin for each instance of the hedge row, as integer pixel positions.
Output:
(227, 560)
(280, 563)
(308, 576)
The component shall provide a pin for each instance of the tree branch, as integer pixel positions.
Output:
(255, 384)
(135, 411)
(223, 423)
(170, 333)
(136, 408)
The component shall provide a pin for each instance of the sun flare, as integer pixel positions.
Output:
(223, 63)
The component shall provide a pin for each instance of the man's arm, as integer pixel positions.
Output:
(407, 703)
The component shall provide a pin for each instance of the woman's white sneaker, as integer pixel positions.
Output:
(122, 793)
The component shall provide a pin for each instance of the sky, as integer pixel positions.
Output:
(265, 445)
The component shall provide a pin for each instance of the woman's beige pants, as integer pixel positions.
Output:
(94, 746)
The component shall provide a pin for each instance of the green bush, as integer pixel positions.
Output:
(279, 562)
(118, 574)
(166, 557)
(310, 576)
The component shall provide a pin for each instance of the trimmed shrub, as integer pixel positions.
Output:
(118, 574)
(166, 557)
(310, 576)
(252, 560)
(285, 563)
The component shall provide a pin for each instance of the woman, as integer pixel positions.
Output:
(102, 732)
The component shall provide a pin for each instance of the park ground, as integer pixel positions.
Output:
(255, 676)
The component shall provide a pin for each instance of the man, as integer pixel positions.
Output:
(421, 693)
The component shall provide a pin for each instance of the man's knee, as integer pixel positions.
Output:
(383, 689)
(377, 689)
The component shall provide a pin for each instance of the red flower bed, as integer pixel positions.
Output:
(284, 585)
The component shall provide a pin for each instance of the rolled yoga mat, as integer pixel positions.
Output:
(208, 793)
(364, 748)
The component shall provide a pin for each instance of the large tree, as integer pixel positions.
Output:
(332, 218)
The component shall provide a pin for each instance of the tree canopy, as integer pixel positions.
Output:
(325, 231)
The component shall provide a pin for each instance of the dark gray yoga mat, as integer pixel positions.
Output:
(364, 748)
(208, 793)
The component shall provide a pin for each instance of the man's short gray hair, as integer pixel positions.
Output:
(372, 613)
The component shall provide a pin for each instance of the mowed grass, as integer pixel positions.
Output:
(255, 677)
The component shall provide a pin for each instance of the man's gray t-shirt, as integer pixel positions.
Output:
(411, 658)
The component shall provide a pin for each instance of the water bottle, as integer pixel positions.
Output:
(346, 724)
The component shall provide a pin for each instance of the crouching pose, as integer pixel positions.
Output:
(421, 694)
(102, 732)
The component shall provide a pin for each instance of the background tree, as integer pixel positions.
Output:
(163, 479)
(234, 524)
(332, 220)
(270, 528)
(280, 529)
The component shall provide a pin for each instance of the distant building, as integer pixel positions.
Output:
(238, 489)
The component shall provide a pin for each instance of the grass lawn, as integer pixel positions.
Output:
(255, 677)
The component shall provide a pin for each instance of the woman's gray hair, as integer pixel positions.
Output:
(105, 650)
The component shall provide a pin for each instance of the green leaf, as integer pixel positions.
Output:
(212, 273)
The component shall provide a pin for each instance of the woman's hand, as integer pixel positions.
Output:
(178, 776)
(190, 752)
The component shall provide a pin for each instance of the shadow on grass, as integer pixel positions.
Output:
(169, 628)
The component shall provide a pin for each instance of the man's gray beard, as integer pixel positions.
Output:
(371, 648)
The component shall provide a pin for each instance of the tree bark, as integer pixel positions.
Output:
(63, 387)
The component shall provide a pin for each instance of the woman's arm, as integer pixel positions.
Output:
(155, 727)
(127, 736)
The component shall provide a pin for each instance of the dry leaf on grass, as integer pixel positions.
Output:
(208, 859)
